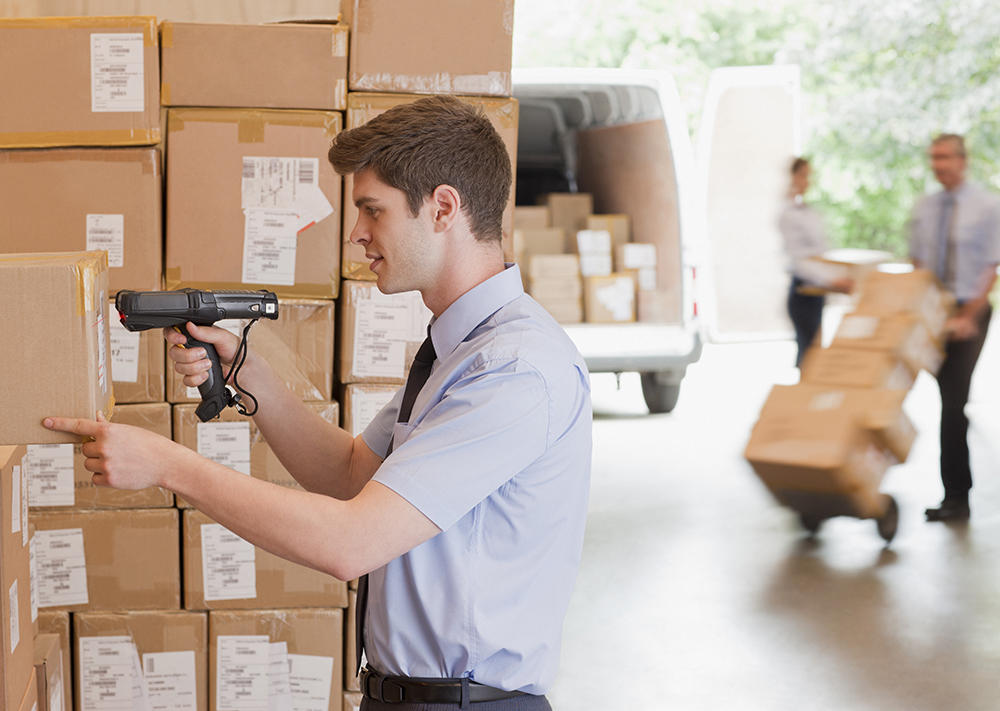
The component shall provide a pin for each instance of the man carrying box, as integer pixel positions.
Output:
(956, 233)
(465, 498)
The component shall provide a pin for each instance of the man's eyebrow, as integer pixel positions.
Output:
(365, 200)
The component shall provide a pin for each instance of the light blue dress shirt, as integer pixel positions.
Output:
(497, 454)
(975, 229)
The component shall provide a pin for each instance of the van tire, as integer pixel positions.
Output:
(660, 397)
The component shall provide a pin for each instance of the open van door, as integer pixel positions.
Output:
(749, 133)
(622, 137)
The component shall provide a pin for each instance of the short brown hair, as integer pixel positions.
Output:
(798, 164)
(953, 138)
(437, 140)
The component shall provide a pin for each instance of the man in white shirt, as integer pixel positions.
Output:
(956, 234)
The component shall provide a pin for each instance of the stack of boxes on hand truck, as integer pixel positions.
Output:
(583, 267)
(822, 446)
(134, 590)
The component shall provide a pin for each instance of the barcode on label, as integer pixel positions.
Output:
(306, 172)
(248, 169)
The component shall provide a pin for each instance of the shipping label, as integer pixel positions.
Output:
(124, 353)
(50, 480)
(24, 501)
(110, 675)
(228, 564)
(107, 232)
(61, 568)
(33, 578)
(15, 501)
(227, 443)
(242, 672)
(279, 690)
(384, 325)
(171, 681)
(311, 679)
(286, 184)
(117, 73)
(364, 407)
(15, 617)
(269, 247)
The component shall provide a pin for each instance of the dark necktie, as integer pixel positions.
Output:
(420, 370)
(945, 262)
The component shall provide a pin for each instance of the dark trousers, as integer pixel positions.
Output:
(954, 380)
(518, 703)
(806, 312)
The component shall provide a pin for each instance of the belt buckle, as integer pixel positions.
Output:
(381, 684)
(384, 682)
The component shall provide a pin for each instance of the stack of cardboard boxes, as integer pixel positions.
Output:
(584, 267)
(136, 592)
(823, 446)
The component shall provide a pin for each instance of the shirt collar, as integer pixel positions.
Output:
(473, 307)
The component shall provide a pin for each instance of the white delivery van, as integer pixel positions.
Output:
(622, 136)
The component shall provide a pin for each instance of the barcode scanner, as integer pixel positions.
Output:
(143, 310)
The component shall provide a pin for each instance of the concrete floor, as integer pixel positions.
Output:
(697, 591)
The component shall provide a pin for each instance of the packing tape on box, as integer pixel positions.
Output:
(56, 139)
(125, 22)
(147, 157)
(167, 34)
(165, 93)
(329, 121)
(364, 106)
(299, 290)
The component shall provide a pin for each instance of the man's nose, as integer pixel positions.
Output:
(359, 235)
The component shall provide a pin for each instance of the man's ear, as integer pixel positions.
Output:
(446, 207)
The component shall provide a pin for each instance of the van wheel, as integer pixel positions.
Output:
(659, 397)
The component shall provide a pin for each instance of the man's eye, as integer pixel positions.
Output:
(373, 212)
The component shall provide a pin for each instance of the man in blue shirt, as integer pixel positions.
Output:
(956, 234)
(469, 514)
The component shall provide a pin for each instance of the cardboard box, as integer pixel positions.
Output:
(361, 108)
(274, 66)
(59, 480)
(594, 248)
(80, 199)
(609, 299)
(847, 263)
(917, 292)
(855, 368)
(904, 336)
(555, 289)
(298, 345)
(530, 241)
(16, 650)
(79, 81)
(233, 440)
(362, 401)
(137, 362)
(170, 647)
(566, 312)
(352, 700)
(58, 363)
(56, 622)
(619, 226)
(638, 257)
(224, 572)
(29, 699)
(531, 217)
(352, 681)
(253, 202)
(49, 675)
(568, 211)
(823, 462)
(554, 265)
(121, 559)
(379, 333)
(880, 411)
(242, 643)
(654, 306)
(439, 47)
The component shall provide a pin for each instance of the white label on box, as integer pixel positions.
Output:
(831, 400)
(171, 681)
(107, 232)
(102, 344)
(15, 618)
(242, 672)
(855, 326)
(269, 244)
(24, 501)
(61, 568)
(593, 241)
(15, 500)
(279, 689)
(124, 353)
(637, 255)
(228, 564)
(364, 407)
(51, 475)
(33, 579)
(117, 73)
(108, 674)
(383, 325)
(56, 701)
(286, 184)
(593, 264)
(311, 679)
(617, 298)
(227, 443)
(647, 278)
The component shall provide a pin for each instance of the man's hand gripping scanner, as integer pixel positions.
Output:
(142, 310)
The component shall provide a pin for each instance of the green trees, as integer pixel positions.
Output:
(878, 81)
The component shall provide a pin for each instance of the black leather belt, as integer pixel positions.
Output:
(399, 689)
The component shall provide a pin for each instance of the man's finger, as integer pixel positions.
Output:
(87, 428)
